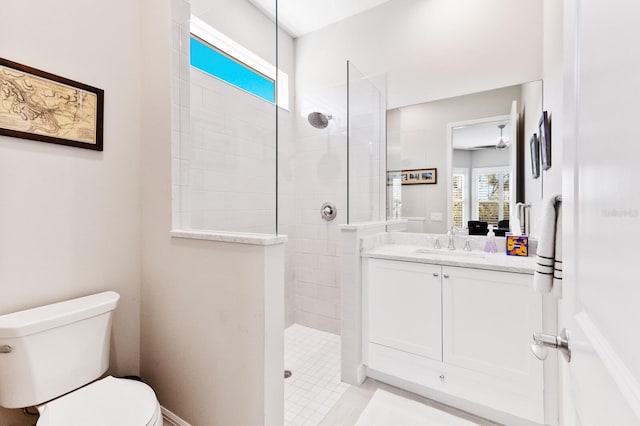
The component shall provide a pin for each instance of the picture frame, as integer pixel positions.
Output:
(544, 132)
(534, 146)
(41, 106)
(419, 176)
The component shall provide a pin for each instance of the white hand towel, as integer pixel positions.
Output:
(548, 242)
(557, 264)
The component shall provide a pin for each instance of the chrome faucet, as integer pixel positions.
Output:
(451, 246)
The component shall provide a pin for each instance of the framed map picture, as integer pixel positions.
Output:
(41, 106)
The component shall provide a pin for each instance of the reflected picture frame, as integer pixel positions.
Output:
(534, 146)
(544, 132)
(419, 177)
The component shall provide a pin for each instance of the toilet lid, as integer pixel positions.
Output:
(107, 402)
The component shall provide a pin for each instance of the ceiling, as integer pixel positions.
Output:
(479, 135)
(299, 17)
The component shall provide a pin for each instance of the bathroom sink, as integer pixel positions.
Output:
(456, 253)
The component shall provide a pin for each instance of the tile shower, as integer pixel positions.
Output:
(241, 164)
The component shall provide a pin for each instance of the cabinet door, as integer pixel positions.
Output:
(404, 306)
(488, 320)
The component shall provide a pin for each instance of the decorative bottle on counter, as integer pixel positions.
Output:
(490, 246)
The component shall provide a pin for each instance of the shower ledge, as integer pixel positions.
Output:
(231, 237)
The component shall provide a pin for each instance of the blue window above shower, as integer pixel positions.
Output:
(222, 66)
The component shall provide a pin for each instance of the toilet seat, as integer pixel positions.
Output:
(106, 402)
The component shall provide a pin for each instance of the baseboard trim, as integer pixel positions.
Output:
(171, 419)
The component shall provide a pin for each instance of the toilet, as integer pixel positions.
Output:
(51, 356)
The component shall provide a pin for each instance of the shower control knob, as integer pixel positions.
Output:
(328, 211)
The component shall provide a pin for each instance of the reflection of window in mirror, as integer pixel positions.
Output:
(396, 194)
(460, 200)
(491, 194)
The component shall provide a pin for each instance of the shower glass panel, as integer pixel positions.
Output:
(224, 155)
(366, 150)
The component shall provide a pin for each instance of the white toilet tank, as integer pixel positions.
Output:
(51, 350)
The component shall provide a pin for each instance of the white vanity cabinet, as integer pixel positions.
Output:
(455, 332)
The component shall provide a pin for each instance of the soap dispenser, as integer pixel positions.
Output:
(490, 246)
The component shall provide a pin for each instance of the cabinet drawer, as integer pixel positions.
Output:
(476, 387)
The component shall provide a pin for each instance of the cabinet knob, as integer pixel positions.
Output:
(446, 275)
(442, 377)
(435, 274)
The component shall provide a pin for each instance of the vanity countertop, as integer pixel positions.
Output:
(474, 259)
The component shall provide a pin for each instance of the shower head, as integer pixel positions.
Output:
(319, 120)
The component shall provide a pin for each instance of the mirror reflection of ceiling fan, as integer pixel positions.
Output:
(502, 142)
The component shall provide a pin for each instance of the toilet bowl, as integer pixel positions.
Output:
(51, 356)
(106, 402)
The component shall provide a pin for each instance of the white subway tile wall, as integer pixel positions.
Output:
(231, 174)
(320, 171)
(321, 176)
(181, 12)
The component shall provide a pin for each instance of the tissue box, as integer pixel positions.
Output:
(517, 245)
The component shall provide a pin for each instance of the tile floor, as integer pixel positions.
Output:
(314, 394)
(313, 356)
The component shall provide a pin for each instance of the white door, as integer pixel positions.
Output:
(601, 290)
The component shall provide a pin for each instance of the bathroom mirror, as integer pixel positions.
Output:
(458, 137)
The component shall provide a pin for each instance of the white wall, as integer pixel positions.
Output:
(423, 144)
(530, 112)
(553, 91)
(429, 49)
(461, 158)
(70, 218)
(244, 23)
(490, 157)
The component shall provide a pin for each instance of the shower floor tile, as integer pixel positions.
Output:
(313, 356)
